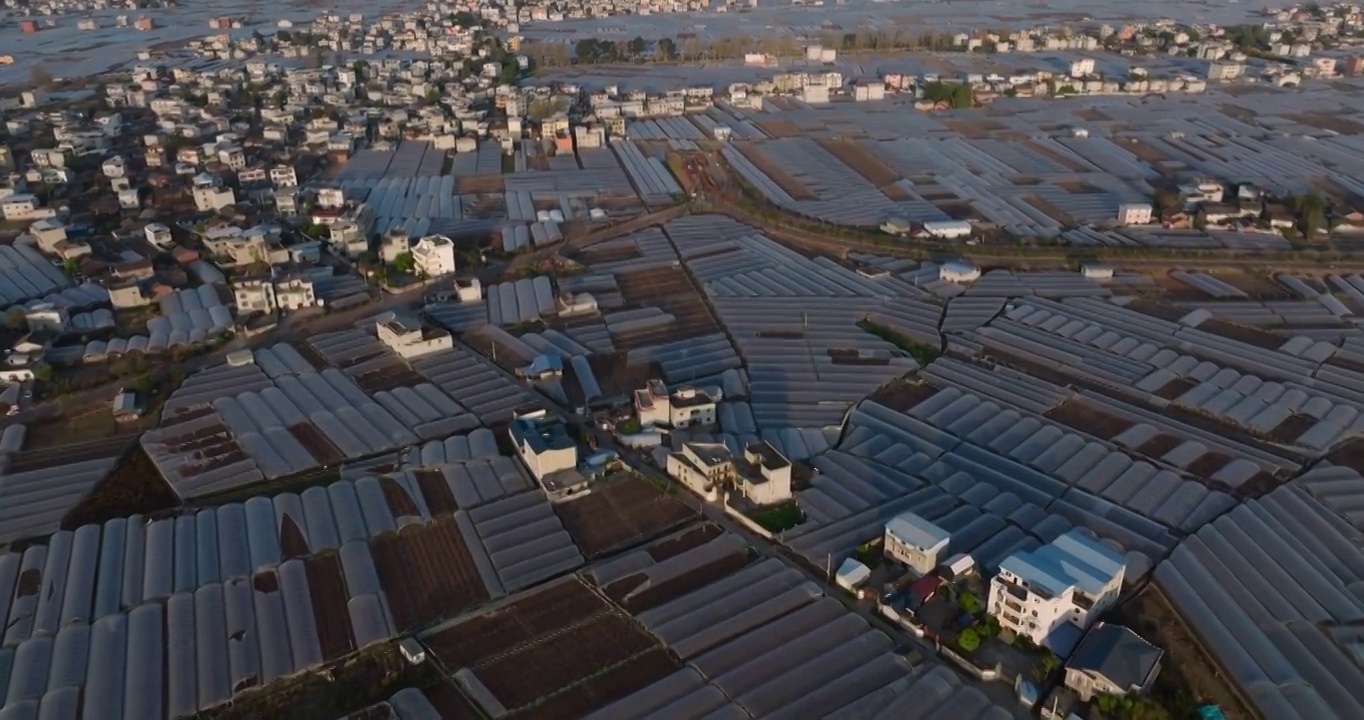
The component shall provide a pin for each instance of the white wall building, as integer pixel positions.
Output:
(1083, 67)
(409, 339)
(702, 467)
(22, 206)
(767, 479)
(434, 255)
(158, 235)
(252, 296)
(686, 406)
(1134, 214)
(544, 447)
(1052, 594)
(295, 293)
(208, 198)
(915, 542)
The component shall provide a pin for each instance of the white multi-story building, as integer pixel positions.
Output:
(686, 406)
(767, 479)
(410, 339)
(158, 235)
(544, 446)
(702, 467)
(253, 296)
(1083, 67)
(1053, 594)
(21, 206)
(1218, 70)
(434, 255)
(915, 542)
(114, 167)
(208, 198)
(295, 293)
(284, 176)
(1134, 214)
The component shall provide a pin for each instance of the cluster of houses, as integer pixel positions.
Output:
(1053, 596)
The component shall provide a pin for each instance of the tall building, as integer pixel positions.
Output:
(1052, 594)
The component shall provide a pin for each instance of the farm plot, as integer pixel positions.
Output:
(858, 158)
(760, 639)
(327, 590)
(545, 643)
(670, 290)
(619, 514)
(639, 581)
(426, 571)
(783, 179)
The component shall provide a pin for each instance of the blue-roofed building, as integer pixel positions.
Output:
(1053, 594)
(915, 542)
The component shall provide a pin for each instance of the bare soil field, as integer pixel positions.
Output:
(427, 572)
(546, 643)
(783, 179)
(624, 513)
(479, 184)
(671, 290)
(1189, 678)
(605, 688)
(1334, 123)
(678, 586)
(903, 395)
(858, 158)
(779, 128)
(1249, 335)
(1086, 418)
(327, 588)
(133, 486)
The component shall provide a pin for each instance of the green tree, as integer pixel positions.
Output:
(969, 603)
(968, 640)
(404, 263)
(1045, 666)
(433, 96)
(14, 319)
(666, 49)
(637, 47)
(43, 373)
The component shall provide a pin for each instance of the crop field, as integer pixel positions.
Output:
(858, 158)
(327, 588)
(311, 354)
(549, 642)
(783, 179)
(316, 443)
(427, 572)
(670, 290)
(641, 671)
(623, 513)
(388, 377)
(626, 590)
(49, 457)
(439, 498)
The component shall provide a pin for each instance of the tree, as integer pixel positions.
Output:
(968, 640)
(1045, 666)
(40, 75)
(969, 604)
(404, 263)
(14, 319)
(43, 373)
(637, 47)
(433, 96)
(666, 49)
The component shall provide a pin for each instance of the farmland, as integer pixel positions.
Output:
(561, 639)
(427, 572)
(623, 513)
